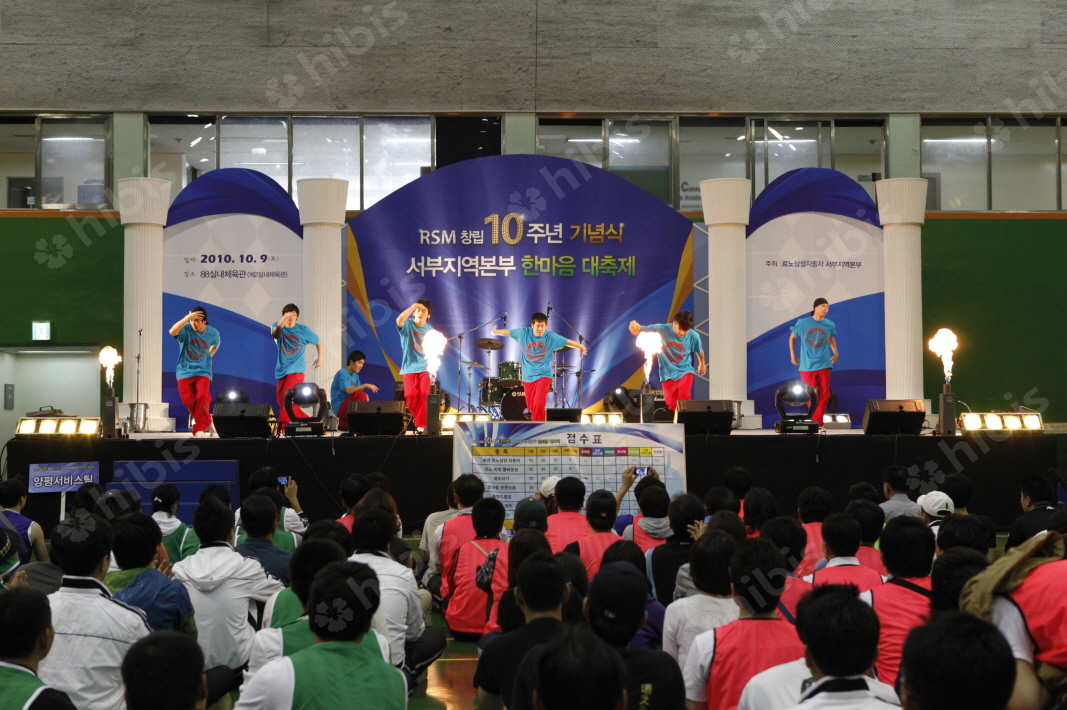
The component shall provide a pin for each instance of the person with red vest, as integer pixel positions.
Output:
(903, 602)
(840, 541)
(478, 565)
(788, 535)
(468, 490)
(568, 525)
(723, 660)
(759, 506)
(599, 514)
(871, 518)
(739, 481)
(651, 527)
(813, 505)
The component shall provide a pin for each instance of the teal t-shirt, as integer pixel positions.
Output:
(537, 352)
(342, 380)
(411, 336)
(291, 343)
(814, 338)
(675, 358)
(194, 351)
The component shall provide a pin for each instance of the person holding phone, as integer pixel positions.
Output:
(197, 344)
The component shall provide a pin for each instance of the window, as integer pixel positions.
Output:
(257, 142)
(795, 144)
(579, 139)
(396, 150)
(74, 162)
(18, 160)
(466, 137)
(954, 159)
(640, 152)
(181, 148)
(327, 146)
(859, 151)
(708, 148)
(1023, 164)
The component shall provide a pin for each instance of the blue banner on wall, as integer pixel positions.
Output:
(513, 233)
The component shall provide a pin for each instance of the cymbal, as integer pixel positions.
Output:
(472, 363)
(489, 344)
(565, 348)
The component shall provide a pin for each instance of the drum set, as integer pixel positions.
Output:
(503, 396)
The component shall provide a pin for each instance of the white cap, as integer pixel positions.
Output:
(548, 486)
(936, 504)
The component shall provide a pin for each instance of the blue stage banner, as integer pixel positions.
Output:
(513, 233)
(815, 233)
(62, 477)
(513, 459)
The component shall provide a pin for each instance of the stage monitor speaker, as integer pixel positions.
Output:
(561, 414)
(893, 416)
(109, 417)
(377, 418)
(241, 419)
(705, 416)
(433, 414)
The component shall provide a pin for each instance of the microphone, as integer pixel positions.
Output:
(505, 318)
(549, 308)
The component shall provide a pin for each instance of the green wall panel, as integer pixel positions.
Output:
(999, 285)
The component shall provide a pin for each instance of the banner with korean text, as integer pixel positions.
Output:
(514, 233)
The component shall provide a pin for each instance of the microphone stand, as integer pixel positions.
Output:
(581, 356)
(459, 368)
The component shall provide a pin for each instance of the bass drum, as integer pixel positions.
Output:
(513, 405)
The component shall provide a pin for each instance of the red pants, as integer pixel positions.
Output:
(674, 390)
(285, 384)
(536, 394)
(342, 408)
(820, 380)
(196, 396)
(416, 387)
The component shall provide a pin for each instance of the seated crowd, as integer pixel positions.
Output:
(881, 599)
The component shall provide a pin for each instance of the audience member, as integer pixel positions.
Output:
(759, 507)
(113, 504)
(26, 637)
(222, 584)
(92, 630)
(458, 531)
(178, 538)
(739, 481)
(139, 581)
(958, 530)
(331, 530)
(599, 516)
(217, 491)
(627, 479)
(651, 527)
(903, 602)
(789, 537)
(13, 497)
(724, 520)
(871, 518)
(712, 606)
(379, 498)
(293, 517)
(260, 518)
(957, 661)
(524, 544)
(284, 540)
(723, 660)
(576, 670)
(165, 671)
(413, 646)
(1037, 497)
(343, 666)
(547, 494)
(84, 499)
(863, 491)
(477, 573)
(540, 592)
(650, 635)
(952, 570)
(429, 529)
(568, 525)
(721, 498)
(352, 491)
(895, 489)
(959, 489)
(665, 560)
(840, 636)
(813, 506)
(840, 542)
(578, 581)
(530, 513)
(933, 508)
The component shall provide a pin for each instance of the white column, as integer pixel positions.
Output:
(143, 205)
(902, 208)
(726, 207)
(322, 214)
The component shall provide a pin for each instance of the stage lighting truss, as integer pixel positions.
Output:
(1010, 422)
(38, 426)
(836, 421)
(607, 418)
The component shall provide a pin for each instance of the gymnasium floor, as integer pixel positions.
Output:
(449, 682)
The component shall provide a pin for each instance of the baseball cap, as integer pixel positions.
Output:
(600, 505)
(531, 513)
(618, 593)
(937, 504)
(548, 486)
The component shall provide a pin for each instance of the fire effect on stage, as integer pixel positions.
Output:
(433, 347)
(650, 344)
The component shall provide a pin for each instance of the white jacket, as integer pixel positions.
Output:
(400, 606)
(93, 633)
(224, 586)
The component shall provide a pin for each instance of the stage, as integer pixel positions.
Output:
(419, 468)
